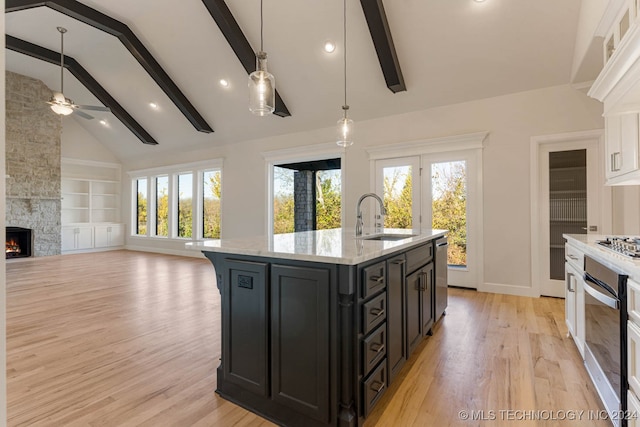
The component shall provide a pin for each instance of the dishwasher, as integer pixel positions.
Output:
(441, 277)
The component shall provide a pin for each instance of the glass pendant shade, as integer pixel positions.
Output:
(345, 132)
(262, 88)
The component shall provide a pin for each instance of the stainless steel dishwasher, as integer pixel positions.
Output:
(441, 276)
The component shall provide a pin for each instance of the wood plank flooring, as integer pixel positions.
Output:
(127, 338)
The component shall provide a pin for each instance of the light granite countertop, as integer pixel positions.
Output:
(335, 246)
(587, 243)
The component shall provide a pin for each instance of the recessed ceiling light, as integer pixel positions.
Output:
(103, 122)
(224, 83)
(329, 46)
(153, 105)
(478, 1)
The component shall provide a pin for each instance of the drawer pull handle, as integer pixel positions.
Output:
(377, 386)
(377, 347)
(573, 257)
(377, 279)
(377, 311)
(399, 262)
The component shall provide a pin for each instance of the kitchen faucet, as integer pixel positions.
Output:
(359, 223)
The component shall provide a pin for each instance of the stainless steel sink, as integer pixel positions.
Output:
(387, 236)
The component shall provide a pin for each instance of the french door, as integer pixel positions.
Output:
(439, 191)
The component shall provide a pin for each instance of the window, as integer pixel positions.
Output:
(398, 181)
(184, 201)
(162, 206)
(185, 205)
(211, 185)
(307, 196)
(141, 206)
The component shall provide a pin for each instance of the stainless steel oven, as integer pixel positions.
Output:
(605, 334)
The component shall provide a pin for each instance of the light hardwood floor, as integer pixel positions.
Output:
(127, 338)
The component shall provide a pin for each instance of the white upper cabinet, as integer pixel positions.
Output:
(618, 87)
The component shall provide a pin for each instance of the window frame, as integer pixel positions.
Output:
(197, 171)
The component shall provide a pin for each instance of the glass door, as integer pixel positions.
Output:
(398, 183)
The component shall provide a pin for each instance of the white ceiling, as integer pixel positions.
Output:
(450, 51)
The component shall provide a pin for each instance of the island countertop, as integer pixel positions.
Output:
(336, 246)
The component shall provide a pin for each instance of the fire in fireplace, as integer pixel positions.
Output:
(19, 242)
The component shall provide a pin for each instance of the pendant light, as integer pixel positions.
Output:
(262, 84)
(345, 124)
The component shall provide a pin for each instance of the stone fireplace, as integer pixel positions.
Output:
(33, 195)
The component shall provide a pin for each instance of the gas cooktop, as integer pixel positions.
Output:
(624, 245)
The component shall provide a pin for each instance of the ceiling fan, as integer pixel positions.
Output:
(62, 105)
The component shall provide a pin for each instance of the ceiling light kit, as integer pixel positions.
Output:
(262, 84)
(345, 124)
(59, 103)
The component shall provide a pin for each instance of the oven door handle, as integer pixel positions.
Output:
(605, 299)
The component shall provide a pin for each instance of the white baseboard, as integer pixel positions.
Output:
(185, 252)
(500, 288)
(84, 251)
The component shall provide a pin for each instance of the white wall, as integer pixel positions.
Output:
(511, 121)
(77, 143)
(587, 55)
(3, 280)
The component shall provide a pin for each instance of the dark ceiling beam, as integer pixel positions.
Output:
(383, 42)
(235, 37)
(44, 54)
(116, 28)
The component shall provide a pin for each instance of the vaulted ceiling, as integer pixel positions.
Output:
(448, 51)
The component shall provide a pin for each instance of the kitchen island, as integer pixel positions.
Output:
(315, 325)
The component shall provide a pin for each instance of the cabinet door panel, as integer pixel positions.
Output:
(245, 325)
(427, 299)
(101, 236)
(84, 238)
(413, 303)
(68, 238)
(299, 335)
(396, 348)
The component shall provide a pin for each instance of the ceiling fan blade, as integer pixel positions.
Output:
(83, 114)
(93, 107)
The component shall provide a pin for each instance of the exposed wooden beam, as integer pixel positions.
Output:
(383, 42)
(116, 28)
(83, 76)
(239, 44)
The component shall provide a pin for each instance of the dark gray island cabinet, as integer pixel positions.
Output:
(316, 325)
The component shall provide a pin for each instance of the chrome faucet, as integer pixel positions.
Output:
(359, 223)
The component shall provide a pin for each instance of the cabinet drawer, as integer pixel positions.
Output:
(374, 348)
(419, 256)
(374, 313)
(574, 256)
(374, 387)
(633, 301)
(373, 279)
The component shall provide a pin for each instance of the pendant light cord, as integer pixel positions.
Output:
(261, 28)
(61, 60)
(345, 56)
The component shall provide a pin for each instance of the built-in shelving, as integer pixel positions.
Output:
(91, 200)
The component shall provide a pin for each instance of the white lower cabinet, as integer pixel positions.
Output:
(633, 409)
(77, 238)
(574, 305)
(109, 235)
(574, 295)
(87, 237)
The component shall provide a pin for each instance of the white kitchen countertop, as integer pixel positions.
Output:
(587, 243)
(335, 246)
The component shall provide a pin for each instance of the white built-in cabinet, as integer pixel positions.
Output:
(574, 295)
(618, 87)
(91, 200)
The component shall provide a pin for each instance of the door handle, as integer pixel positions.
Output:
(569, 276)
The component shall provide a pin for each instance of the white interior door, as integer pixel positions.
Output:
(570, 200)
